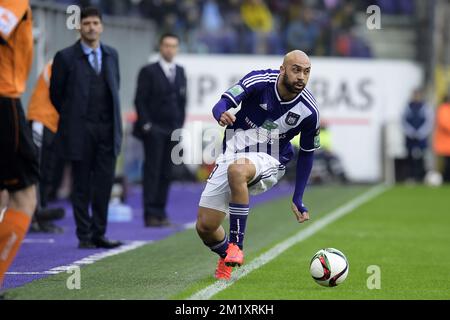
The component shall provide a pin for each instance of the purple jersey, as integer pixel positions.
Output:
(265, 122)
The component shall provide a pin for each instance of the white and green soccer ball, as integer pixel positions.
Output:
(329, 267)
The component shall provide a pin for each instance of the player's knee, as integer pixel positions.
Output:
(25, 200)
(236, 174)
(205, 225)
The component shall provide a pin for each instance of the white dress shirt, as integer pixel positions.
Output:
(169, 69)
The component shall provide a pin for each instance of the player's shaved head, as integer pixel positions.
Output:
(294, 74)
(296, 57)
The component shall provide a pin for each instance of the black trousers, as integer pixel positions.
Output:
(19, 158)
(157, 172)
(52, 167)
(93, 178)
(446, 174)
(416, 163)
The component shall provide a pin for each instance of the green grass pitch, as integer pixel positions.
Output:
(405, 232)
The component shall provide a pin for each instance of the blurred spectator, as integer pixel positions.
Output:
(256, 16)
(319, 27)
(44, 122)
(396, 6)
(211, 18)
(417, 126)
(303, 34)
(330, 161)
(344, 18)
(441, 142)
(160, 103)
(350, 45)
(214, 34)
(259, 21)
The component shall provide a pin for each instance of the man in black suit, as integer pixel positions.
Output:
(84, 88)
(160, 103)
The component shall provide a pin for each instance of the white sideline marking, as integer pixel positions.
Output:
(89, 260)
(303, 234)
(190, 225)
(31, 273)
(28, 240)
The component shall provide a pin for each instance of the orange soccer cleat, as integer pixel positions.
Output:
(223, 272)
(235, 256)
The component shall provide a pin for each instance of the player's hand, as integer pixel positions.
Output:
(301, 217)
(227, 119)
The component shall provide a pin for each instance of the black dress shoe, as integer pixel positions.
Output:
(86, 245)
(165, 222)
(157, 222)
(106, 243)
(49, 227)
(50, 214)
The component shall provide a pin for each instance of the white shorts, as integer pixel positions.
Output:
(217, 192)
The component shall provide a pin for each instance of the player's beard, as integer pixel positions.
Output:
(291, 87)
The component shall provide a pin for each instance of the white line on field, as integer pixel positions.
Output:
(88, 260)
(303, 234)
(190, 225)
(30, 240)
(30, 273)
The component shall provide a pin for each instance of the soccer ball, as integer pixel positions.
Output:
(329, 267)
(433, 179)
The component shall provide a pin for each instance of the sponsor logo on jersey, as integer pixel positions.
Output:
(269, 125)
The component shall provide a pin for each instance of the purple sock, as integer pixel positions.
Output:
(238, 219)
(219, 247)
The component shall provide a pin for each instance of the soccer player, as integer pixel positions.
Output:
(19, 168)
(275, 107)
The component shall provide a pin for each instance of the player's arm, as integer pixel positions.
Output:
(230, 99)
(427, 128)
(408, 129)
(443, 115)
(10, 17)
(221, 113)
(233, 97)
(183, 96)
(304, 167)
(142, 100)
(58, 81)
(116, 58)
(309, 142)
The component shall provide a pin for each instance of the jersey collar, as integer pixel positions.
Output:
(278, 95)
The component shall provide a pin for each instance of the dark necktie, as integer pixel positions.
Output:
(172, 74)
(96, 64)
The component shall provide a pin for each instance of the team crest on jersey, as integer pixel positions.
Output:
(236, 90)
(292, 118)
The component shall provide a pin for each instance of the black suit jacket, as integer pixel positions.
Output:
(158, 101)
(69, 92)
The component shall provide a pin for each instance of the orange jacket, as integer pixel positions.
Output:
(40, 107)
(16, 49)
(442, 131)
